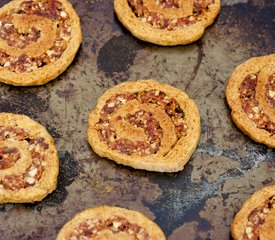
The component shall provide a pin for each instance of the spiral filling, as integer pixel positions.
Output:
(158, 20)
(270, 91)
(140, 119)
(37, 149)
(257, 218)
(13, 37)
(251, 106)
(8, 157)
(168, 3)
(92, 227)
(50, 9)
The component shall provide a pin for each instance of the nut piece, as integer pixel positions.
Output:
(116, 224)
(73, 238)
(248, 230)
(63, 14)
(271, 93)
(30, 180)
(7, 64)
(256, 109)
(33, 172)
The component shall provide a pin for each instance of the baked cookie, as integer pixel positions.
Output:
(28, 160)
(167, 22)
(256, 219)
(145, 125)
(38, 40)
(250, 94)
(112, 223)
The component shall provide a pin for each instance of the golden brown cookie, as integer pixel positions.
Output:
(256, 219)
(167, 22)
(250, 94)
(145, 125)
(112, 223)
(38, 40)
(28, 160)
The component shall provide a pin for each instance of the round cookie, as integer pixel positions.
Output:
(250, 94)
(38, 40)
(256, 219)
(145, 125)
(167, 22)
(112, 223)
(28, 160)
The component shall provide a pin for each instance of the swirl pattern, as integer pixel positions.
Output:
(145, 125)
(256, 218)
(38, 40)
(167, 22)
(110, 223)
(28, 160)
(251, 96)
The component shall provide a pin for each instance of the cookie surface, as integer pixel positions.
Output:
(169, 22)
(145, 125)
(28, 160)
(38, 40)
(250, 94)
(256, 219)
(111, 223)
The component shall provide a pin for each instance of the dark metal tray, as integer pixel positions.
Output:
(197, 203)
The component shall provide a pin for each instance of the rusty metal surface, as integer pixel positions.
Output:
(197, 203)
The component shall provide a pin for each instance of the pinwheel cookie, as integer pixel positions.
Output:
(250, 94)
(167, 22)
(256, 219)
(28, 160)
(145, 125)
(38, 40)
(112, 223)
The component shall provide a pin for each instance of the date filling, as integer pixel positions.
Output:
(140, 119)
(251, 106)
(8, 157)
(158, 20)
(257, 218)
(270, 91)
(92, 227)
(50, 9)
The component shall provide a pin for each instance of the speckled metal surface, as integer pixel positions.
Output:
(197, 203)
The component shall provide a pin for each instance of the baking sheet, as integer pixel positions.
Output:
(197, 203)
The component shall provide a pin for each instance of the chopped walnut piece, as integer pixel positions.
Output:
(33, 172)
(30, 180)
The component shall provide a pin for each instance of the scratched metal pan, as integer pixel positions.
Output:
(197, 203)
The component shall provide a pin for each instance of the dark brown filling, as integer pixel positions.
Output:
(8, 157)
(45, 8)
(257, 218)
(159, 21)
(171, 107)
(37, 147)
(251, 106)
(140, 119)
(51, 9)
(92, 227)
(270, 91)
(168, 3)
(15, 39)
